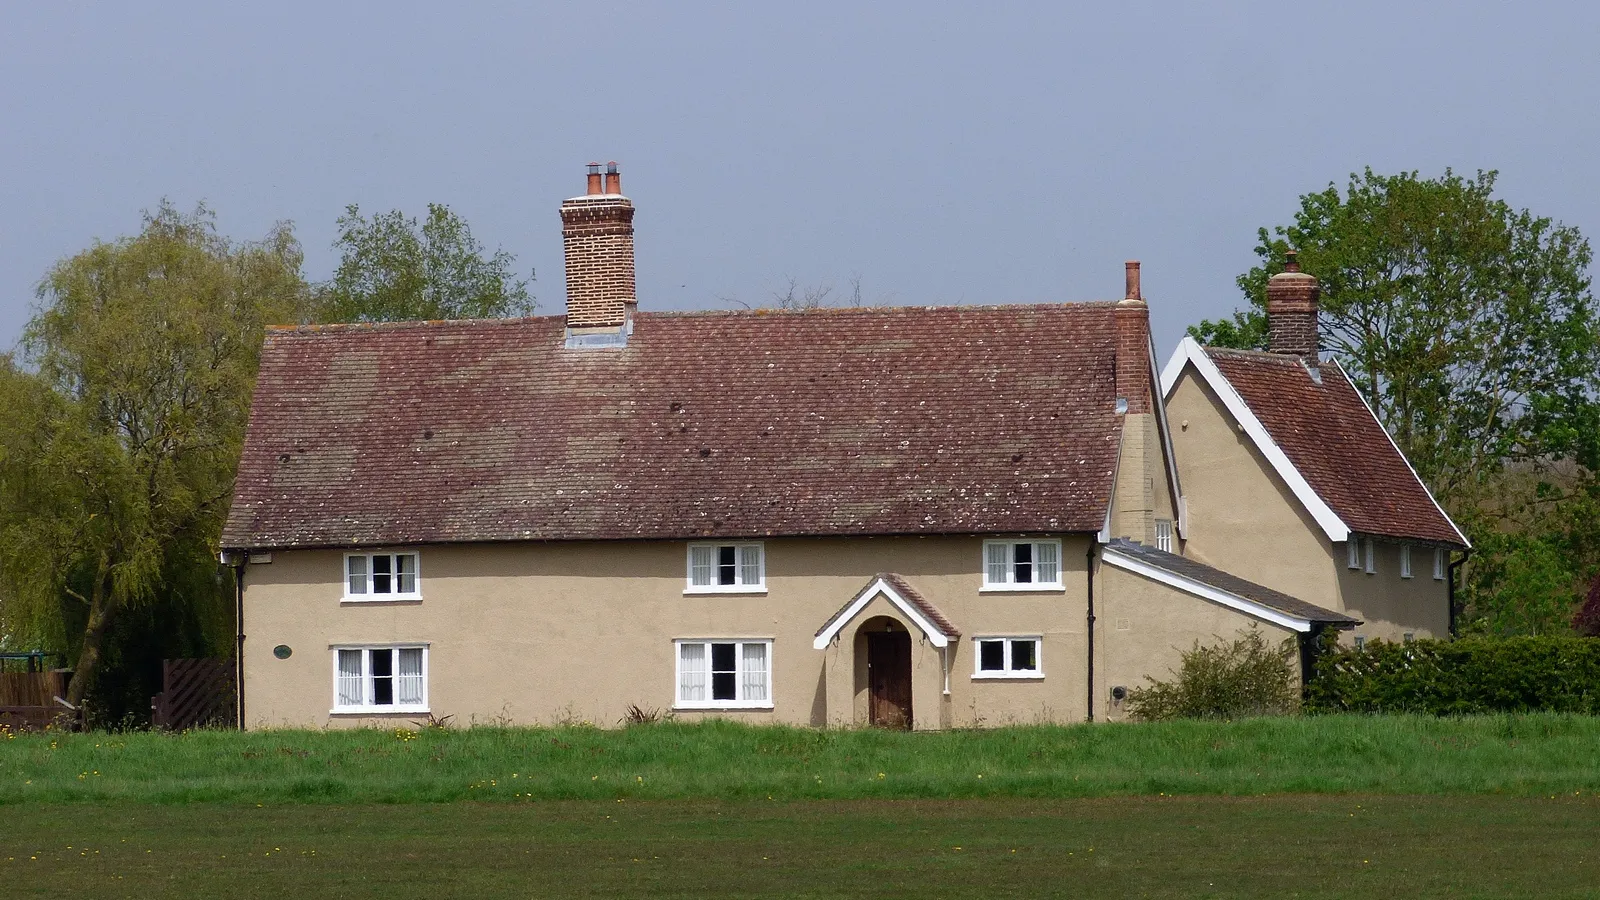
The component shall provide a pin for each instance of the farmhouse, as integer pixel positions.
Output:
(909, 517)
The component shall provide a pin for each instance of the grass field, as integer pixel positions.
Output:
(1500, 806)
(1285, 846)
(1524, 755)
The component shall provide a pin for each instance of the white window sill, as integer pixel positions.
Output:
(1008, 676)
(721, 706)
(750, 590)
(378, 710)
(1056, 588)
(381, 598)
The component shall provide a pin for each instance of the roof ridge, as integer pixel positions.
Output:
(333, 327)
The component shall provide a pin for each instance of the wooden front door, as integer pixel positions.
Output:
(889, 679)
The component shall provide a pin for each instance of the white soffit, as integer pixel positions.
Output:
(1190, 352)
(907, 608)
(1205, 591)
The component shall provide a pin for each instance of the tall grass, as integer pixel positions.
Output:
(1517, 754)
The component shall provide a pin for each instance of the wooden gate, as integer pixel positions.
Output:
(28, 701)
(195, 693)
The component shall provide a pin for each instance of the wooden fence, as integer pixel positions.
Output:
(28, 701)
(195, 692)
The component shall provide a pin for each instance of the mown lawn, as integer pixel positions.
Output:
(1280, 846)
(1521, 755)
(1494, 806)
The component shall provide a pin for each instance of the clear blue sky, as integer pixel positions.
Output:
(1009, 152)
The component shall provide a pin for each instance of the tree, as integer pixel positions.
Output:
(393, 271)
(1470, 328)
(119, 446)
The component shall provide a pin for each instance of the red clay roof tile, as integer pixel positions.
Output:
(1332, 439)
(846, 421)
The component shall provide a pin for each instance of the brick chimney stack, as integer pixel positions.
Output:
(1132, 317)
(1292, 305)
(597, 235)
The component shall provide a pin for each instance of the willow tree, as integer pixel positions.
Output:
(120, 432)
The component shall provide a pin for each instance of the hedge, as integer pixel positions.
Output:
(1472, 675)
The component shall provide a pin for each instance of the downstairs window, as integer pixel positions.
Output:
(380, 679)
(724, 674)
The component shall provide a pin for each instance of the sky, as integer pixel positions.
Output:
(940, 153)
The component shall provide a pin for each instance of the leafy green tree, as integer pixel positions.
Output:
(1470, 328)
(118, 444)
(1468, 325)
(392, 270)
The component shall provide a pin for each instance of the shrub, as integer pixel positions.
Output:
(1471, 675)
(1244, 677)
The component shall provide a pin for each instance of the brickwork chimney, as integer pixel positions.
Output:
(1292, 303)
(1132, 318)
(597, 235)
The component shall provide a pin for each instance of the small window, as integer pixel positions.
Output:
(1164, 535)
(1007, 657)
(1361, 642)
(1353, 548)
(1021, 565)
(1370, 546)
(728, 568)
(724, 674)
(381, 576)
(1409, 636)
(1405, 560)
(1438, 564)
(380, 679)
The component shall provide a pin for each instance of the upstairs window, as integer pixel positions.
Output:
(1405, 560)
(1353, 548)
(724, 674)
(1370, 546)
(731, 568)
(1021, 565)
(1438, 564)
(380, 679)
(381, 576)
(1007, 657)
(1164, 535)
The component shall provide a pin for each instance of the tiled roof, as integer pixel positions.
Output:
(844, 421)
(1232, 584)
(906, 591)
(1332, 439)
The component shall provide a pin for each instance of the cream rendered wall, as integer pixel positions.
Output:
(548, 632)
(1244, 519)
(1145, 626)
(1390, 606)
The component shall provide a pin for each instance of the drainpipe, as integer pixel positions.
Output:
(239, 562)
(1450, 587)
(1089, 580)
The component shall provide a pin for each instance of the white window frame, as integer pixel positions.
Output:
(1164, 535)
(739, 702)
(369, 596)
(367, 707)
(1371, 548)
(1405, 560)
(1011, 567)
(1009, 673)
(739, 586)
(1353, 552)
(1438, 564)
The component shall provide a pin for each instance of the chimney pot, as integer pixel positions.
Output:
(1133, 292)
(1291, 260)
(597, 236)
